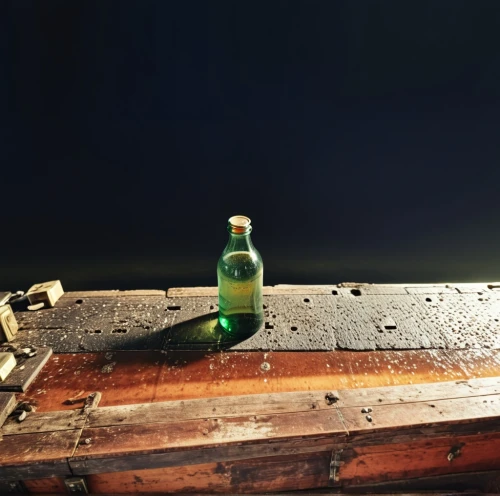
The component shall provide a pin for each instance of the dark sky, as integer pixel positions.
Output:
(361, 137)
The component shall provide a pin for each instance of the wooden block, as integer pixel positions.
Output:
(47, 293)
(8, 323)
(24, 373)
(7, 364)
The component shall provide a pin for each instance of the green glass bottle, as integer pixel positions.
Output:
(240, 274)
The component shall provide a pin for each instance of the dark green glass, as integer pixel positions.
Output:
(240, 275)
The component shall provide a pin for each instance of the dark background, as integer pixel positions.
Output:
(361, 137)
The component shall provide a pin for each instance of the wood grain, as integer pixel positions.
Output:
(421, 459)
(142, 377)
(45, 486)
(277, 403)
(333, 423)
(28, 456)
(250, 476)
(44, 422)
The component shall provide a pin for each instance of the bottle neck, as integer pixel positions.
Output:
(239, 242)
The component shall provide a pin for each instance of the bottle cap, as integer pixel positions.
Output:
(239, 224)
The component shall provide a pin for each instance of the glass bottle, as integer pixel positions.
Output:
(240, 274)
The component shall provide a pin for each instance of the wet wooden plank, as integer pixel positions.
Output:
(96, 324)
(259, 404)
(361, 317)
(25, 371)
(142, 377)
(36, 422)
(279, 403)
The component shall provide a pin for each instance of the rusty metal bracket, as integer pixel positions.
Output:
(455, 452)
(335, 464)
(76, 485)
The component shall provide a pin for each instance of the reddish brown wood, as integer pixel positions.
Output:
(141, 377)
(46, 486)
(248, 476)
(420, 459)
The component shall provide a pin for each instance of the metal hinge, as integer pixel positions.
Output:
(335, 464)
(76, 485)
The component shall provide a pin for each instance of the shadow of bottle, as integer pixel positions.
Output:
(200, 333)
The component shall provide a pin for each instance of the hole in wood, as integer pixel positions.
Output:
(294, 328)
(306, 300)
(211, 307)
(98, 331)
(428, 299)
(356, 292)
(174, 307)
(390, 327)
(118, 331)
(79, 302)
(335, 293)
(269, 326)
(264, 306)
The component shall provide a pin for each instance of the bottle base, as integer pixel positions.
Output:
(241, 325)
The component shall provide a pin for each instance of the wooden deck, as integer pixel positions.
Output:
(234, 419)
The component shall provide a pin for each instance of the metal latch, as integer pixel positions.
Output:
(76, 485)
(335, 464)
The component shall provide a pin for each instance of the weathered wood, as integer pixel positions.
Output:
(44, 422)
(224, 453)
(266, 290)
(334, 423)
(359, 317)
(421, 458)
(140, 377)
(484, 482)
(25, 372)
(251, 476)
(31, 456)
(344, 289)
(267, 404)
(205, 408)
(97, 324)
(7, 405)
(293, 473)
(117, 293)
(45, 486)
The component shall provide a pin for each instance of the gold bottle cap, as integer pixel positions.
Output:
(239, 224)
